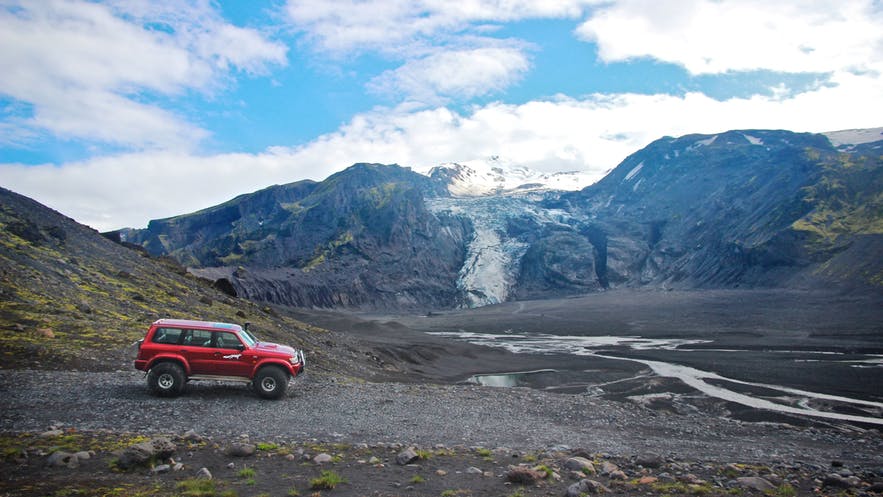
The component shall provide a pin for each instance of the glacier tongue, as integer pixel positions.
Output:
(493, 257)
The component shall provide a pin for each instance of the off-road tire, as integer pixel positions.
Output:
(270, 382)
(166, 379)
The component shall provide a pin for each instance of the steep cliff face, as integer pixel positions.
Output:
(736, 209)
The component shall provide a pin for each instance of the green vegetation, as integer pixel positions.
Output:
(416, 479)
(246, 473)
(784, 490)
(196, 487)
(327, 480)
(455, 493)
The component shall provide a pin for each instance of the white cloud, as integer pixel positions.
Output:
(89, 70)
(445, 46)
(461, 74)
(716, 36)
(592, 134)
(346, 26)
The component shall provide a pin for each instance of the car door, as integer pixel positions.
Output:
(197, 349)
(229, 358)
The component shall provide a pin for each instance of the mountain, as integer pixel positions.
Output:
(741, 208)
(362, 237)
(751, 208)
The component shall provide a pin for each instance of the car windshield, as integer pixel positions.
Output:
(248, 338)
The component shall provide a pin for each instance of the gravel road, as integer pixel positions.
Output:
(331, 410)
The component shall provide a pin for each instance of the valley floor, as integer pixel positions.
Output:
(456, 427)
(418, 396)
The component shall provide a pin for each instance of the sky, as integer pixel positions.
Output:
(116, 112)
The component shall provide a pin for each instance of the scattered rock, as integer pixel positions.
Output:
(52, 433)
(374, 460)
(608, 467)
(45, 333)
(241, 450)
(647, 480)
(523, 475)
(162, 468)
(583, 487)
(62, 459)
(322, 458)
(204, 474)
(84, 455)
(472, 470)
(580, 464)
(837, 481)
(441, 472)
(650, 460)
(756, 483)
(406, 456)
(618, 475)
(192, 436)
(142, 453)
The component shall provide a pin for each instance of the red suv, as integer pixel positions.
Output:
(175, 351)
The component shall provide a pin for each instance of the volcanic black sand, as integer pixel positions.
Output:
(821, 342)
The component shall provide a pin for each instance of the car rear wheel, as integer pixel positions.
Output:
(271, 382)
(166, 379)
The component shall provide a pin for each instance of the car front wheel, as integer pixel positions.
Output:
(271, 382)
(166, 379)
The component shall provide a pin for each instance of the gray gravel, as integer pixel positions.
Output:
(330, 410)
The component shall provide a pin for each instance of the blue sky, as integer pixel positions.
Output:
(111, 109)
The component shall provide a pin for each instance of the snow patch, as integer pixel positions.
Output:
(634, 171)
(705, 142)
(854, 136)
(753, 139)
(495, 176)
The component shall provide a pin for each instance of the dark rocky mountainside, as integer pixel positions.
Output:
(743, 208)
(362, 237)
(753, 208)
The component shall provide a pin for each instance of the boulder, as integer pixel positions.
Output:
(585, 487)
(241, 450)
(204, 474)
(580, 464)
(407, 456)
(650, 460)
(143, 452)
(608, 467)
(756, 483)
(322, 458)
(836, 481)
(62, 459)
(523, 475)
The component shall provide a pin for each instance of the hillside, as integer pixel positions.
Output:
(70, 298)
(741, 209)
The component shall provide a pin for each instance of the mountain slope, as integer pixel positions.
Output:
(71, 298)
(738, 208)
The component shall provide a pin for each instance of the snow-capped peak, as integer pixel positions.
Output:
(494, 176)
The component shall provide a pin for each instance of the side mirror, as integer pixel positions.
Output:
(240, 347)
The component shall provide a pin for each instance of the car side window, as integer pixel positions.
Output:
(167, 335)
(227, 341)
(198, 338)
